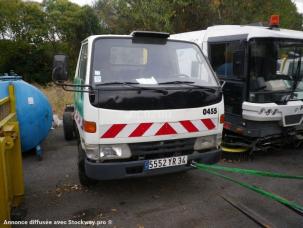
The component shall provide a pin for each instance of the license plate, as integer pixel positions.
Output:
(165, 162)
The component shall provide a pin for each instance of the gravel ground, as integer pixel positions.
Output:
(190, 199)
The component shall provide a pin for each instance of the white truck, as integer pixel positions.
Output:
(144, 105)
(261, 68)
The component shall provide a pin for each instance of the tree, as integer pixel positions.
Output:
(22, 21)
(68, 25)
(126, 16)
(191, 15)
(123, 16)
(251, 11)
(31, 33)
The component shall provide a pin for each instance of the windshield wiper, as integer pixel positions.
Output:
(118, 83)
(176, 82)
(189, 83)
(133, 85)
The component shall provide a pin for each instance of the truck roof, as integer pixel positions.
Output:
(93, 37)
(237, 30)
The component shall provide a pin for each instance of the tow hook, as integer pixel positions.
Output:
(192, 163)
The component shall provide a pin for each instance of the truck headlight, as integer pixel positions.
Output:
(102, 152)
(208, 142)
(114, 151)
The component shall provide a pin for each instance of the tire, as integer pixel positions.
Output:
(68, 126)
(83, 178)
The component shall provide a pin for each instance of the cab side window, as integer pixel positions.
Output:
(83, 63)
(227, 59)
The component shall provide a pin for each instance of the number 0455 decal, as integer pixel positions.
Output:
(209, 111)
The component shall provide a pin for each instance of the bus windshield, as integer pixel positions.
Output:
(275, 70)
(121, 60)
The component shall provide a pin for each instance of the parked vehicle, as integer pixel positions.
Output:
(261, 69)
(144, 105)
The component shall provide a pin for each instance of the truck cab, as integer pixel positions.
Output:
(261, 69)
(144, 105)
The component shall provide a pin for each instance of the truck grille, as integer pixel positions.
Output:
(293, 119)
(162, 149)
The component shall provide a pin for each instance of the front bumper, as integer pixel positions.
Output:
(121, 170)
(290, 114)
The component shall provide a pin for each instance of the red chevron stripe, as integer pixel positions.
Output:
(140, 130)
(113, 131)
(208, 123)
(188, 125)
(166, 129)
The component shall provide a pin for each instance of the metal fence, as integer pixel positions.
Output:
(11, 174)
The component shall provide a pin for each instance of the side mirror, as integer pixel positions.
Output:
(60, 64)
(238, 63)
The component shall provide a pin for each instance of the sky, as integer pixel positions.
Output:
(299, 4)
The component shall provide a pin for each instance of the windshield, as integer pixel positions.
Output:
(118, 60)
(275, 70)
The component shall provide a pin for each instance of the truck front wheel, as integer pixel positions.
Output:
(83, 178)
(68, 126)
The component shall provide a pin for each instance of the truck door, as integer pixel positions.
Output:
(80, 78)
(228, 61)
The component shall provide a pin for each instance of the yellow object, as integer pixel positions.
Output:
(11, 174)
(234, 150)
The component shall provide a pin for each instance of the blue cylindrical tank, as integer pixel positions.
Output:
(34, 111)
